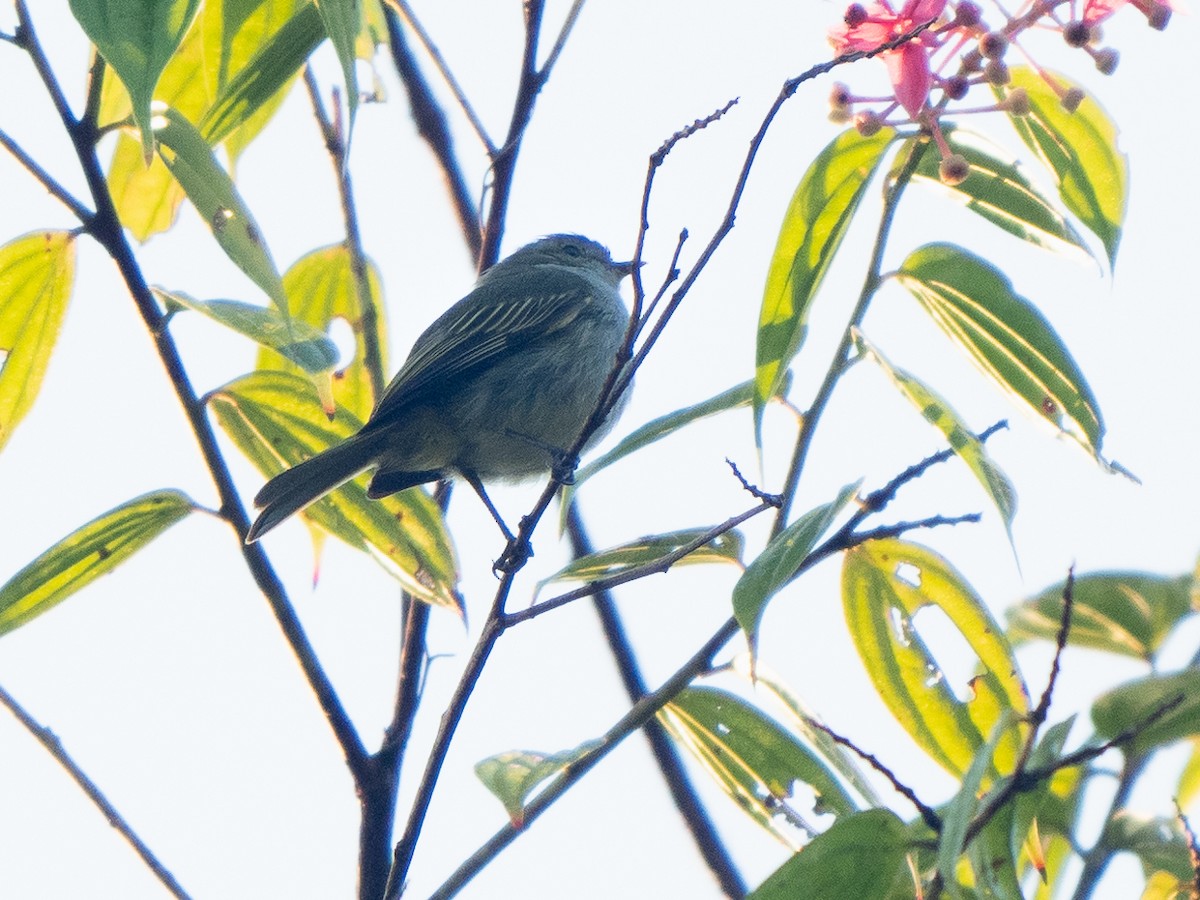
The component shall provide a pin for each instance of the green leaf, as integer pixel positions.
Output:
(1157, 842)
(958, 813)
(998, 190)
(277, 421)
(137, 38)
(321, 287)
(861, 856)
(37, 272)
(1132, 704)
(734, 398)
(300, 343)
(513, 776)
(962, 441)
(343, 21)
(725, 548)
(885, 583)
(84, 555)
(1029, 804)
(974, 303)
(813, 227)
(1130, 613)
(754, 760)
(255, 82)
(780, 561)
(147, 198)
(1080, 149)
(211, 191)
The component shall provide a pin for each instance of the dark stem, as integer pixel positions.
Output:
(704, 833)
(54, 747)
(431, 124)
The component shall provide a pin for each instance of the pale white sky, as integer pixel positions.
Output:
(169, 682)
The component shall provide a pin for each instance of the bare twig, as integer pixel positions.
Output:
(54, 747)
(368, 319)
(56, 190)
(561, 41)
(927, 813)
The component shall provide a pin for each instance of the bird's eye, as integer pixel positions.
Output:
(572, 250)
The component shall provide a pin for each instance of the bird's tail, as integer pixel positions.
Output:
(291, 491)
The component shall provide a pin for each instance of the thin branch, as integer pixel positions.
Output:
(56, 190)
(654, 567)
(367, 316)
(561, 41)
(695, 817)
(927, 813)
(431, 125)
(106, 229)
(54, 747)
(410, 19)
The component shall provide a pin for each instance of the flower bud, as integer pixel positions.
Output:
(993, 45)
(1106, 60)
(1078, 34)
(996, 72)
(856, 14)
(1017, 102)
(1072, 98)
(868, 123)
(956, 87)
(972, 61)
(1158, 15)
(968, 14)
(954, 169)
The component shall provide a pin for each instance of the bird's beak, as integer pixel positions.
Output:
(626, 268)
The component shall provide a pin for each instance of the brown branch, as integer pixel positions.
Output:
(54, 747)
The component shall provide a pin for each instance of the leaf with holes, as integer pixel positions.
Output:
(754, 760)
(87, 553)
(885, 583)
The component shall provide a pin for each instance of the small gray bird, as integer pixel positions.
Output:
(500, 386)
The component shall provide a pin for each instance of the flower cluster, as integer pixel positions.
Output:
(951, 48)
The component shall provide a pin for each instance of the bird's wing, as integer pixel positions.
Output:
(503, 316)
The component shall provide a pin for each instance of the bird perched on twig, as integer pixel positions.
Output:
(498, 387)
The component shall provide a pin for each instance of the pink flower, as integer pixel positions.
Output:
(866, 28)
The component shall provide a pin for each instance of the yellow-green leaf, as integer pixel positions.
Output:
(299, 342)
(884, 585)
(137, 38)
(514, 775)
(321, 287)
(813, 227)
(147, 198)
(276, 419)
(343, 21)
(84, 555)
(724, 548)
(753, 759)
(37, 272)
(974, 303)
(1079, 148)
(962, 441)
(211, 191)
